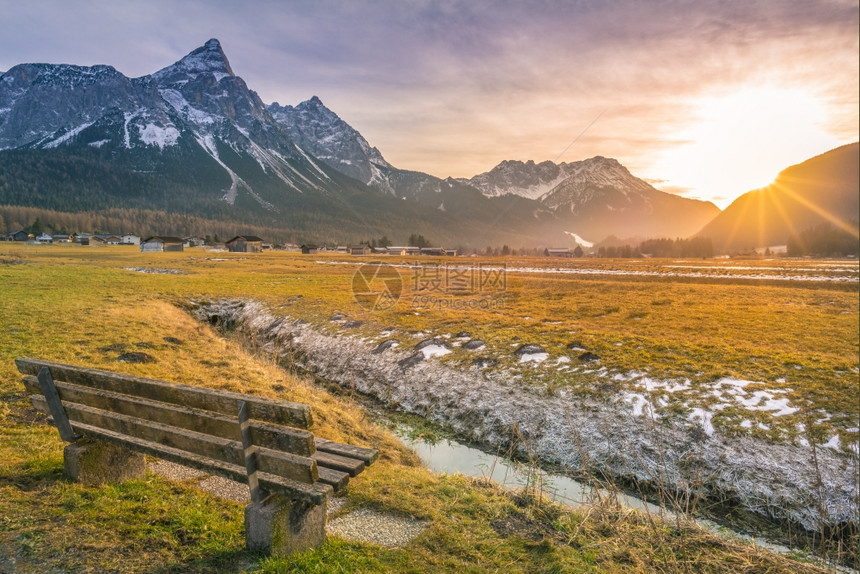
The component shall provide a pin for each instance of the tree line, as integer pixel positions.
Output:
(824, 240)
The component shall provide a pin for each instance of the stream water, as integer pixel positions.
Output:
(449, 456)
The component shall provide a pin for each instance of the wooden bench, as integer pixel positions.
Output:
(113, 420)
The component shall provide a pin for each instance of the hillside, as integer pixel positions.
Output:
(823, 189)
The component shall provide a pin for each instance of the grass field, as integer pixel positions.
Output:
(87, 306)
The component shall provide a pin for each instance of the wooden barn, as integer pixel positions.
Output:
(245, 244)
(161, 243)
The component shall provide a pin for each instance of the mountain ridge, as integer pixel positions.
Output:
(194, 137)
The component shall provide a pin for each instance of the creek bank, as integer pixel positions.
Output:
(815, 489)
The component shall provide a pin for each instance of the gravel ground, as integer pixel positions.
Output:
(362, 525)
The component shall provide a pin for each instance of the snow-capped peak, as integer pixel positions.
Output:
(207, 59)
(324, 134)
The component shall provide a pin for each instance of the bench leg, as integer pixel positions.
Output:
(279, 526)
(94, 462)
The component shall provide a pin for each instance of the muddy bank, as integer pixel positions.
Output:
(814, 489)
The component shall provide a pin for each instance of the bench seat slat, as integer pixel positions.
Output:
(351, 466)
(315, 493)
(223, 402)
(368, 455)
(296, 441)
(334, 478)
(294, 467)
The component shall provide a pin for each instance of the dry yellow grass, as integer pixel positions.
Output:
(81, 306)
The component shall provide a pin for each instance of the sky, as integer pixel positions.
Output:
(707, 99)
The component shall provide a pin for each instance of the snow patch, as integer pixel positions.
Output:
(704, 416)
(67, 136)
(434, 351)
(534, 357)
(579, 239)
(162, 137)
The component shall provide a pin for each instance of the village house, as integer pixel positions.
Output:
(363, 249)
(109, 238)
(92, 241)
(310, 249)
(396, 250)
(161, 243)
(245, 244)
(129, 239)
(44, 238)
(558, 252)
(19, 235)
(62, 238)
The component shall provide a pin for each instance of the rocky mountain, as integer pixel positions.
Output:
(823, 189)
(321, 132)
(194, 138)
(597, 197)
(191, 138)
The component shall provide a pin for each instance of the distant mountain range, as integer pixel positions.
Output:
(193, 139)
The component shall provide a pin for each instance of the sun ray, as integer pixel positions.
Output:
(780, 209)
(838, 222)
(738, 224)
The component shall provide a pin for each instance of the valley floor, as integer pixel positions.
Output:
(94, 306)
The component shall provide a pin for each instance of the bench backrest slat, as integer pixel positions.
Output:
(298, 468)
(218, 401)
(275, 437)
(315, 493)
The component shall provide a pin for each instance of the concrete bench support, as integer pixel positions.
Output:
(280, 526)
(95, 462)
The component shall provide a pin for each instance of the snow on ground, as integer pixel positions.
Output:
(67, 136)
(703, 416)
(712, 272)
(584, 431)
(162, 137)
(534, 357)
(435, 351)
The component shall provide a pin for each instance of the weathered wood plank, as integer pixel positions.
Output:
(316, 493)
(368, 455)
(285, 439)
(249, 454)
(223, 402)
(55, 406)
(351, 466)
(271, 436)
(334, 478)
(294, 467)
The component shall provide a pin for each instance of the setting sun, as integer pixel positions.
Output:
(742, 140)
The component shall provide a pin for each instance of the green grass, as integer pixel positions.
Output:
(79, 305)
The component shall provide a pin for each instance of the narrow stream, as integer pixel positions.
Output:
(449, 456)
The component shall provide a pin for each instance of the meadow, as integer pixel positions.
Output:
(649, 322)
